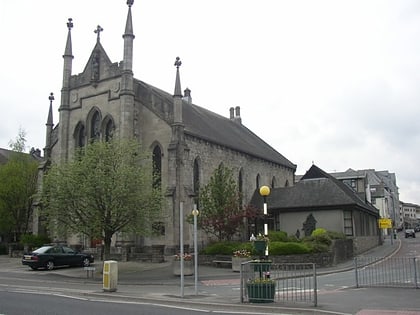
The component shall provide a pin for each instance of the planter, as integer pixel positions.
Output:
(236, 263)
(261, 292)
(260, 247)
(188, 267)
(261, 266)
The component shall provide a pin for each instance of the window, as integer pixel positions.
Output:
(95, 125)
(157, 167)
(273, 182)
(109, 130)
(257, 181)
(348, 223)
(79, 135)
(240, 186)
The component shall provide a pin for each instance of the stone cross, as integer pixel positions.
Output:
(98, 31)
(70, 24)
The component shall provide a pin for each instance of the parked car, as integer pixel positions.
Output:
(410, 233)
(53, 255)
(417, 228)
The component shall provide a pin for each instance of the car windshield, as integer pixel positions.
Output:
(42, 249)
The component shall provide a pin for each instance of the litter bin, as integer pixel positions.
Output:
(110, 276)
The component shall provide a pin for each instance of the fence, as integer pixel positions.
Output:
(270, 282)
(387, 272)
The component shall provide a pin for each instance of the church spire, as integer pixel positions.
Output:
(128, 39)
(177, 94)
(50, 125)
(65, 95)
(68, 55)
(128, 128)
(177, 91)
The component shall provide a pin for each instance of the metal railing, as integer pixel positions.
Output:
(387, 272)
(271, 282)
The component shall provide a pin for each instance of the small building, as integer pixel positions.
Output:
(319, 200)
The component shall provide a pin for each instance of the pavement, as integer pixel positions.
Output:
(218, 288)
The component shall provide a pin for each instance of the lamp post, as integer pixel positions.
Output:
(195, 214)
(264, 192)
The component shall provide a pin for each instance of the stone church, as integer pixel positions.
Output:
(188, 142)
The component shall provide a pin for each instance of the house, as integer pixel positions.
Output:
(376, 187)
(318, 200)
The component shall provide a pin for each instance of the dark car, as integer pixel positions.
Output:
(410, 233)
(417, 228)
(53, 255)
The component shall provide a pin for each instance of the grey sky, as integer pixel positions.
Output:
(330, 82)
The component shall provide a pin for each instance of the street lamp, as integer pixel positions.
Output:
(264, 192)
(195, 214)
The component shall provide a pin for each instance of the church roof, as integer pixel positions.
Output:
(209, 126)
(317, 190)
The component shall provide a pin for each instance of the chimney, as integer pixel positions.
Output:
(187, 96)
(231, 110)
(238, 114)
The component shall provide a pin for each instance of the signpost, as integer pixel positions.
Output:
(385, 223)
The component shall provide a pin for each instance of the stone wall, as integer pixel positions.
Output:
(364, 243)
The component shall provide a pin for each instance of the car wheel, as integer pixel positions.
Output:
(86, 262)
(50, 265)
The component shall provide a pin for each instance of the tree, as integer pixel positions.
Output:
(220, 211)
(19, 145)
(18, 187)
(106, 188)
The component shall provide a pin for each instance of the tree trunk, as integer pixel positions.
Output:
(107, 245)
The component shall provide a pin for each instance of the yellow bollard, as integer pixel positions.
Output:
(110, 276)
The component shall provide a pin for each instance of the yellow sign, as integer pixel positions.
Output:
(385, 223)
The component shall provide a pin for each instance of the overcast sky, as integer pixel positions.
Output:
(335, 83)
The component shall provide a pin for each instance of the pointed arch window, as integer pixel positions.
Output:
(157, 167)
(257, 181)
(273, 182)
(240, 186)
(196, 181)
(109, 130)
(80, 140)
(95, 126)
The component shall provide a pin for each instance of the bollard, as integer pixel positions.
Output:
(110, 276)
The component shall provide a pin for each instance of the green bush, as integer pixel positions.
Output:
(277, 236)
(222, 248)
(318, 247)
(32, 240)
(336, 235)
(288, 248)
(318, 231)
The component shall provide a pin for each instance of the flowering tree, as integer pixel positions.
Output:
(107, 188)
(220, 211)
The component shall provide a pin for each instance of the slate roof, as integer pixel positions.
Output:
(5, 155)
(316, 189)
(209, 126)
